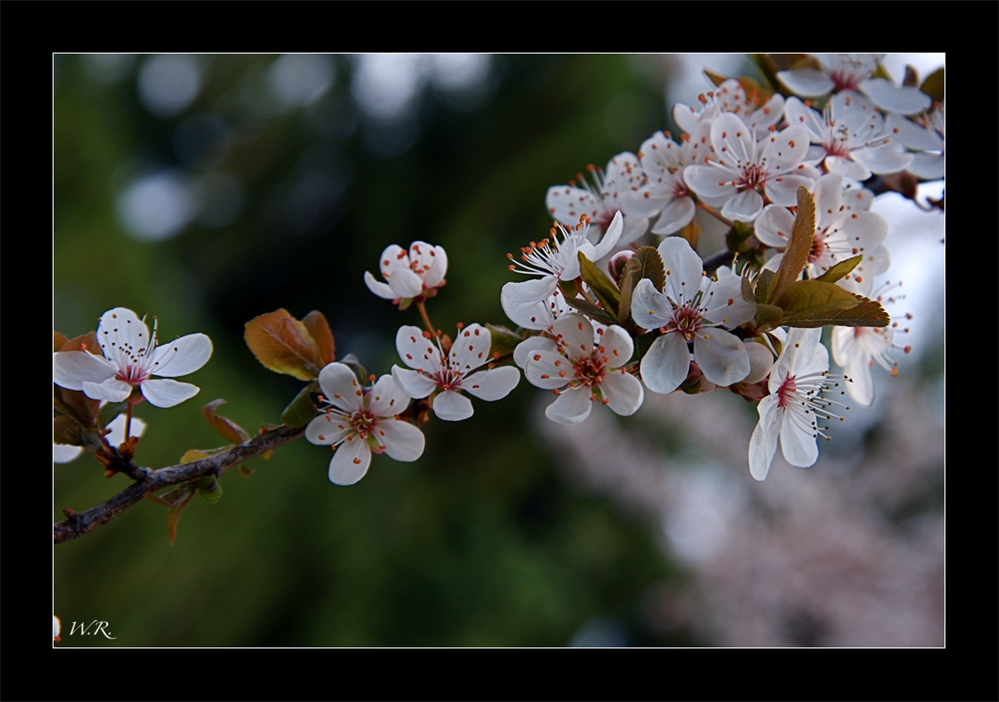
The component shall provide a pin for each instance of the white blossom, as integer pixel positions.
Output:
(795, 405)
(409, 274)
(132, 356)
(360, 422)
(691, 308)
(582, 371)
(444, 377)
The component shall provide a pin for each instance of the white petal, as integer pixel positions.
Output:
(773, 226)
(707, 182)
(470, 348)
(539, 316)
(806, 82)
(763, 442)
(761, 361)
(451, 406)
(416, 351)
(541, 369)
(181, 356)
(616, 345)
(71, 368)
(415, 385)
(623, 392)
(891, 98)
(797, 443)
(340, 387)
(167, 393)
(382, 290)
(121, 328)
(386, 398)
(745, 207)
(493, 384)
(861, 387)
(847, 167)
(882, 160)
(676, 215)
(112, 390)
(683, 269)
(328, 428)
(927, 166)
(666, 364)
(612, 235)
(722, 357)
(526, 348)
(402, 441)
(530, 292)
(785, 191)
(350, 462)
(571, 407)
(649, 308)
(117, 429)
(404, 283)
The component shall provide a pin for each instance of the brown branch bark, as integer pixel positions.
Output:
(77, 524)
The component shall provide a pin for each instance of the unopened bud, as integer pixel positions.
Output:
(617, 264)
(761, 362)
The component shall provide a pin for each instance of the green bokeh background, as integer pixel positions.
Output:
(479, 543)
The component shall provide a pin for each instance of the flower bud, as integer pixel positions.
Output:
(761, 361)
(617, 264)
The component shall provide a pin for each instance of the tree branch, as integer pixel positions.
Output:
(77, 524)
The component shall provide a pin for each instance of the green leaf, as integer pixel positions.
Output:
(798, 248)
(176, 500)
(840, 269)
(226, 428)
(209, 488)
(283, 344)
(866, 313)
(814, 300)
(934, 85)
(589, 309)
(646, 263)
(503, 341)
(764, 281)
(602, 286)
(301, 410)
(768, 317)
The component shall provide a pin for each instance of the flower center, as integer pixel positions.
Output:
(588, 370)
(362, 422)
(686, 321)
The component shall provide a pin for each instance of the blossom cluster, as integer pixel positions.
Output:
(742, 160)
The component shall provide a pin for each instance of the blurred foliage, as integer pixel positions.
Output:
(480, 542)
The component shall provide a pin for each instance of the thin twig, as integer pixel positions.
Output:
(78, 523)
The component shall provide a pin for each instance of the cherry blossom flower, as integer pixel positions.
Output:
(925, 133)
(730, 96)
(408, 274)
(444, 377)
(360, 422)
(553, 260)
(131, 358)
(691, 307)
(541, 317)
(851, 135)
(843, 229)
(795, 404)
(64, 453)
(843, 72)
(857, 349)
(601, 201)
(741, 165)
(663, 192)
(582, 371)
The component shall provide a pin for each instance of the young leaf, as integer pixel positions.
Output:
(503, 341)
(301, 410)
(590, 310)
(602, 286)
(209, 488)
(841, 269)
(646, 263)
(319, 330)
(798, 248)
(226, 428)
(867, 313)
(806, 297)
(283, 344)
